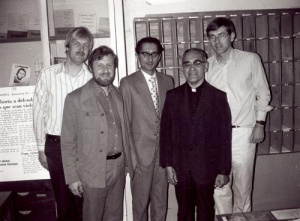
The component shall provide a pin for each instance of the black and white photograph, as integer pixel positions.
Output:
(149, 110)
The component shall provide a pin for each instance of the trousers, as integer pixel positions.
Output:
(189, 195)
(235, 197)
(106, 204)
(150, 187)
(69, 207)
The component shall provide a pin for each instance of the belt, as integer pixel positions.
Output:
(114, 156)
(233, 126)
(53, 138)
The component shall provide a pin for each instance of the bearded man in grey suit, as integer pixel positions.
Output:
(94, 141)
(144, 95)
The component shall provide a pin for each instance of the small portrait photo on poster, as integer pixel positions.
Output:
(20, 75)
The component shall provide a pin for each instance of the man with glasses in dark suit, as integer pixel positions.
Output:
(195, 139)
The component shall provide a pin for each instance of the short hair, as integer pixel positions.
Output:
(21, 69)
(151, 40)
(220, 22)
(99, 53)
(200, 51)
(79, 32)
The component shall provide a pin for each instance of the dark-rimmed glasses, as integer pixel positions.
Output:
(221, 37)
(196, 63)
(147, 55)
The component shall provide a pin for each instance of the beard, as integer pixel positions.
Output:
(104, 82)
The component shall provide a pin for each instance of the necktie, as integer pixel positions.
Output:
(154, 93)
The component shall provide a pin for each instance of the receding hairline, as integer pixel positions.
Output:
(195, 50)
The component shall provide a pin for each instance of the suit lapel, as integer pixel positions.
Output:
(162, 90)
(184, 104)
(119, 102)
(202, 105)
(89, 101)
(142, 85)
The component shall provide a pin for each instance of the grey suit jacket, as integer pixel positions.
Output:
(84, 137)
(143, 120)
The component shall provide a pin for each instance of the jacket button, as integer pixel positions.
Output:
(102, 114)
(102, 132)
(101, 151)
(87, 114)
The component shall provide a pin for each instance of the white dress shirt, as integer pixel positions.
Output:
(51, 89)
(243, 79)
(147, 77)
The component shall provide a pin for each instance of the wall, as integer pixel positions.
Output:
(35, 53)
(25, 53)
(140, 8)
(277, 182)
(277, 177)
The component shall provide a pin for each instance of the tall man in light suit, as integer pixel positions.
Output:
(242, 76)
(144, 99)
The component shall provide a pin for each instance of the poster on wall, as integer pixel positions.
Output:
(88, 21)
(20, 75)
(18, 149)
(3, 25)
(64, 21)
(92, 14)
(19, 19)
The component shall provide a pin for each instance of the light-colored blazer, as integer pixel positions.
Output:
(142, 118)
(84, 137)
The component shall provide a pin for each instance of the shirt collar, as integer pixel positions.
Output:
(197, 88)
(99, 90)
(147, 76)
(232, 57)
(62, 69)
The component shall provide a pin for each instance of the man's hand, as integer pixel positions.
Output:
(76, 188)
(258, 134)
(43, 159)
(221, 180)
(171, 175)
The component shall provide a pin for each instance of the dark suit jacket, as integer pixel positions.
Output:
(143, 120)
(84, 137)
(209, 153)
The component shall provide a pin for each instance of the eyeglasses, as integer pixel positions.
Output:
(221, 37)
(147, 55)
(196, 63)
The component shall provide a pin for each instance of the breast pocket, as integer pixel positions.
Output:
(88, 120)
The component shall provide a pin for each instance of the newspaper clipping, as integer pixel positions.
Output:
(18, 151)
